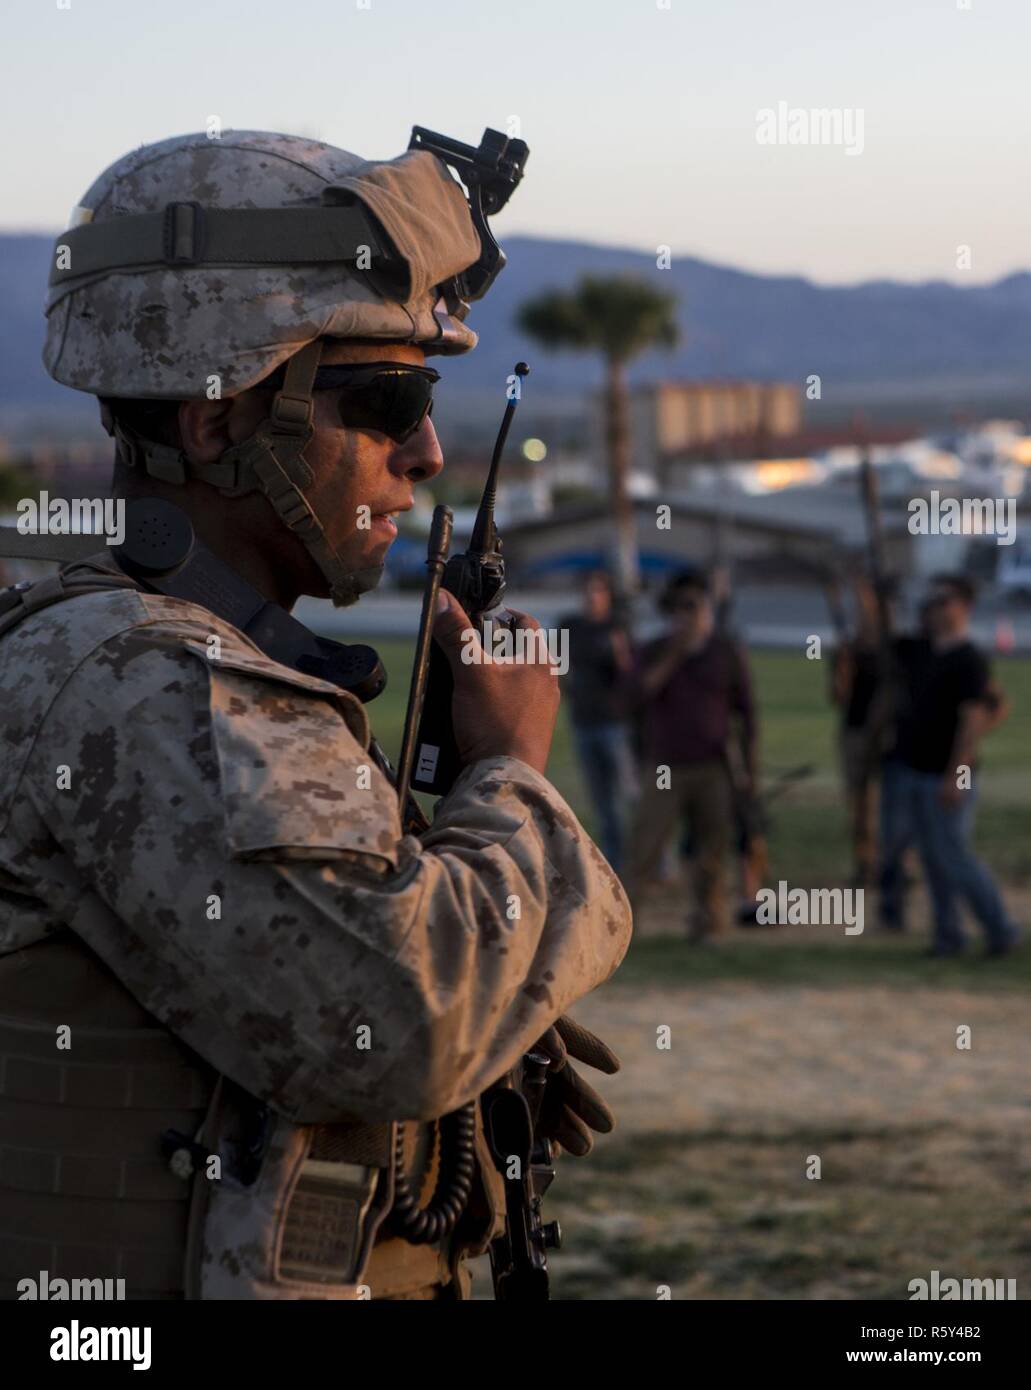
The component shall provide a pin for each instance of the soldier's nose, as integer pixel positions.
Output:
(420, 457)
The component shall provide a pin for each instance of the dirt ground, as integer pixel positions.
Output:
(924, 1148)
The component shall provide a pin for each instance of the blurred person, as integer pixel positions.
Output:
(856, 675)
(600, 661)
(693, 686)
(945, 701)
(750, 821)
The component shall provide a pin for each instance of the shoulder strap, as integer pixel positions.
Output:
(14, 545)
(21, 601)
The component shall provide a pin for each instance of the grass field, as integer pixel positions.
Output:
(808, 843)
(799, 1043)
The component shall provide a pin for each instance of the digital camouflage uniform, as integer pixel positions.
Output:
(209, 900)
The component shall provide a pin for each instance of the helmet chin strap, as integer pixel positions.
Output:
(272, 461)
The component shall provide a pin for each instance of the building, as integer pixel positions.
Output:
(673, 422)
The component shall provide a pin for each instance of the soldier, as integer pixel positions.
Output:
(216, 935)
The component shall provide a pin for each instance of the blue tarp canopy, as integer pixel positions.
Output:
(583, 561)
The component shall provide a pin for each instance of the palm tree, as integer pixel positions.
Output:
(620, 317)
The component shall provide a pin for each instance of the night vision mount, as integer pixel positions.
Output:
(491, 173)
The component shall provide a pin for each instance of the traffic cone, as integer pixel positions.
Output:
(1005, 638)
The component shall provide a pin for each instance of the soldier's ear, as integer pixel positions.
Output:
(204, 428)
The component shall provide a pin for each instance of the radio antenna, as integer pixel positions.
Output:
(484, 536)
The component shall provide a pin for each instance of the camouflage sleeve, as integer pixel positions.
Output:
(236, 858)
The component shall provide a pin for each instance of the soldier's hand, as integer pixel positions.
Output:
(499, 709)
(571, 1108)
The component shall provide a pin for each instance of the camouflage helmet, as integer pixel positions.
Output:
(155, 306)
(196, 266)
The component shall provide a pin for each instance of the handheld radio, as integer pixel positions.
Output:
(477, 579)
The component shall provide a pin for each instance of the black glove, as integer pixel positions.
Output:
(571, 1108)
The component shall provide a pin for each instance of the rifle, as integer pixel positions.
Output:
(875, 544)
(430, 762)
(835, 605)
(882, 711)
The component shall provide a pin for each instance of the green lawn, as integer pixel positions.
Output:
(808, 842)
(790, 957)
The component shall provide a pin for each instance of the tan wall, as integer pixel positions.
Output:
(691, 414)
(783, 405)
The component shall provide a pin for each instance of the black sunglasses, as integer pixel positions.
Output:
(391, 397)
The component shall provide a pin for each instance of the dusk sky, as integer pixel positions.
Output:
(641, 115)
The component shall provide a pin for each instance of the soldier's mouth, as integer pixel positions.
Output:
(386, 520)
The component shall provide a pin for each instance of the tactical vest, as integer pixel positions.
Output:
(123, 1155)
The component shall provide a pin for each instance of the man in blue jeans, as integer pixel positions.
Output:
(599, 664)
(945, 702)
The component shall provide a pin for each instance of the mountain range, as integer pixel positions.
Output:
(889, 346)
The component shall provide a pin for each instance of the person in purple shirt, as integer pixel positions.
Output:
(693, 689)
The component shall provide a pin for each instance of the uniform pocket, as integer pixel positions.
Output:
(297, 780)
